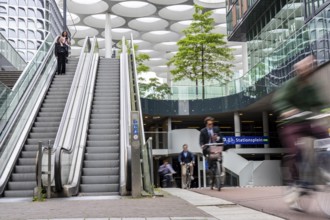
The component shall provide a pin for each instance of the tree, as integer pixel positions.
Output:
(153, 89)
(202, 55)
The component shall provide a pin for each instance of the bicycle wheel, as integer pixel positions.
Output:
(218, 176)
(188, 180)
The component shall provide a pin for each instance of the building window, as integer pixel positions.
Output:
(12, 42)
(3, 22)
(21, 34)
(40, 14)
(31, 13)
(40, 24)
(31, 24)
(12, 12)
(21, 23)
(31, 45)
(31, 34)
(12, 22)
(3, 10)
(40, 3)
(21, 12)
(21, 44)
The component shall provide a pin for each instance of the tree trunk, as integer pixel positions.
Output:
(196, 88)
(203, 74)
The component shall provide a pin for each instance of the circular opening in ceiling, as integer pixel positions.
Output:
(159, 32)
(185, 22)
(148, 19)
(86, 2)
(179, 7)
(221, 11)
(212, 1)
(121, 30)
(134, 4)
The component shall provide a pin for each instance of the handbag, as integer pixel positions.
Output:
(215, 152)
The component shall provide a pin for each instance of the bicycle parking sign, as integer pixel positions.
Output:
(245, 140)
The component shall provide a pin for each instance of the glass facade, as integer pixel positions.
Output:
(313, 7)
(273, 49)
(26, 23)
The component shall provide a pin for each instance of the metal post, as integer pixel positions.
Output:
(49, 170)
(199, 171)
(39, 170)
(265, 126)
(237, 127)
(204, 172)
(64, 15)
(136, 151)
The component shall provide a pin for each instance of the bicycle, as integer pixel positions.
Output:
(188, 176)
(215, 155)
(315, 173)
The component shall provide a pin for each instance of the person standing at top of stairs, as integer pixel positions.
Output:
(61, 53)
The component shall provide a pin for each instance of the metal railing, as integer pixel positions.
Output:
(9, 53)
(25, 107)
(12, 99)
(71, 138)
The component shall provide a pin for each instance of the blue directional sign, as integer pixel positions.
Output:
(245, 140)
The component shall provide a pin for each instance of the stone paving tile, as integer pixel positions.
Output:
(196, 198)
(236, 212)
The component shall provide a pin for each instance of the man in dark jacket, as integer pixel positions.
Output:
(209, 134)
(186, 157)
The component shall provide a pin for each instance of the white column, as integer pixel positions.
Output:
(107, 36)
(169, 129)
(199, 170)
(265, 127)
(157, 136)
(237, 127)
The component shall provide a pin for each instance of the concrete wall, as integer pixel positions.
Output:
(184, 136)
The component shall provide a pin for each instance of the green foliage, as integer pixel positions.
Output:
(153, 89)
(202, 55)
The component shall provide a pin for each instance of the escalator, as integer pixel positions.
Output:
(23, 178)
(100, 172)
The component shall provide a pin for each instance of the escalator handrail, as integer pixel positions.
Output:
(60, 136)
(22, 63)
(125, 111)
(22, 110)
(137, 91)
(79, 145)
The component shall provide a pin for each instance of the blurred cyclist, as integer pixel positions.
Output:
(296, 96)
(186, 157)
(166, 172)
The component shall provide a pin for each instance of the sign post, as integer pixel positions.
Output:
(136, 152)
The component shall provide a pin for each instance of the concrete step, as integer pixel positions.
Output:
(99, 188)
(101, 163)
(26, 185)
(107, 137)
(100, 171)
(100, 179)
(103, 143)
(18, 193)
(103, 156)
(100, 150)
(22, 177)
(103, 131)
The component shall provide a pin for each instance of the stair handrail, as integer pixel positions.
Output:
(64, 124)
(23, 83)
(10, 54)
(80, 137)
(125, 122)
(25, 112)
(146, 155)
(74, 144)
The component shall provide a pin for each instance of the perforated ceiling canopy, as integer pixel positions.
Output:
(156, 25)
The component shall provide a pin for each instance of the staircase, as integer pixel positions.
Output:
(9, 78)
(23, 179)
(100, 174)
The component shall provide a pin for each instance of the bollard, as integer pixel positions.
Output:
(49, 169)
(39, 170)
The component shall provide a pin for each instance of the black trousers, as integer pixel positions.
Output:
(61, 64)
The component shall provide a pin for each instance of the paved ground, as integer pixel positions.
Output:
(101, 207)
(259, 203)
(266, 199)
